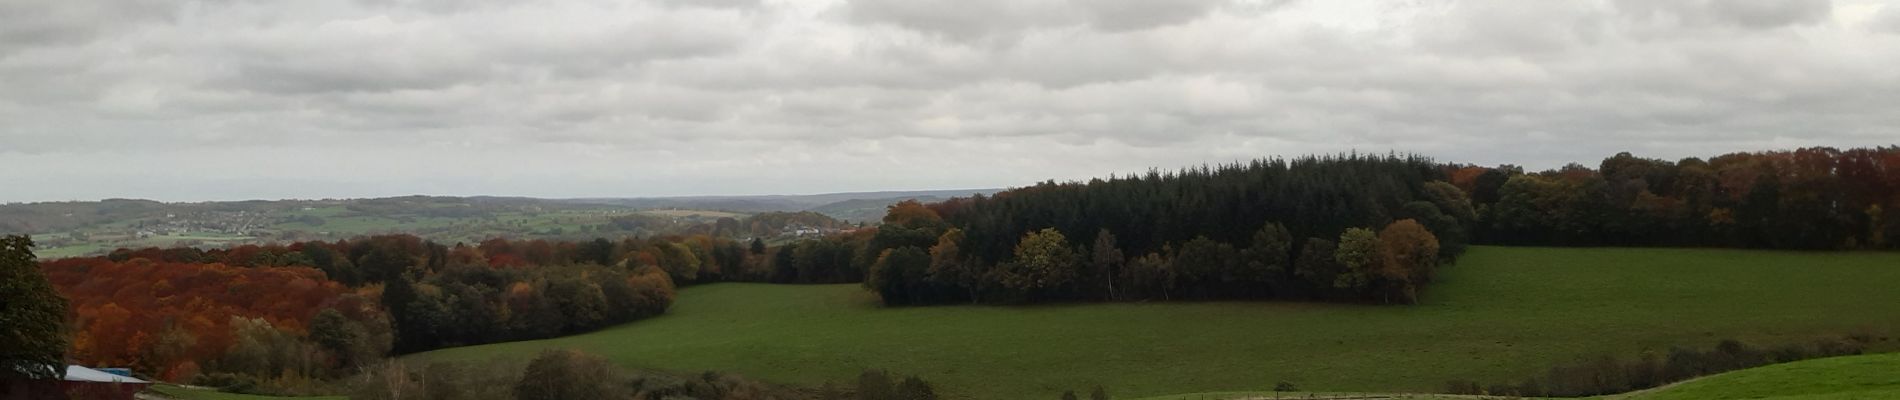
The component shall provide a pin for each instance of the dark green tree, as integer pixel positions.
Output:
(33, 335)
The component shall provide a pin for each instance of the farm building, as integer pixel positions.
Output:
(80, 383)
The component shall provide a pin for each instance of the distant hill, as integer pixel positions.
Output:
(847, 206)
(860, 210)
(92, 227)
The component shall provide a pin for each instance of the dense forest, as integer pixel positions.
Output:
(277, 317)
(1351, 227)
(1362, 228)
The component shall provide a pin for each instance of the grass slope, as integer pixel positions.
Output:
(1501, 314)
(185, 393)
(1875, 376)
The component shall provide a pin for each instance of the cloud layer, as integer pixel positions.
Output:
(224, 99)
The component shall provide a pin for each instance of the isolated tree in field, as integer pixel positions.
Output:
(1069, 395)
(1098, 393)
(1105, 262)
(1044, 263)
(1358, 256)
(32, 314)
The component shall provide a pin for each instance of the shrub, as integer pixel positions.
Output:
(570, 375)
(1460, 386)
(1606, 375)
(227, 382)
(391, 380)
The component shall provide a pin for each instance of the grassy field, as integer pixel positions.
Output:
(1875, 376)
(1501, 314)
(184, 393)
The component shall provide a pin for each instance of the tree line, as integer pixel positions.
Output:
(1370, 228)
(283, 318)
(1348, 227)
(1812, 198)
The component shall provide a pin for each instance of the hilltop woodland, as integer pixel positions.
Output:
(1360, 228)
(1349, 228)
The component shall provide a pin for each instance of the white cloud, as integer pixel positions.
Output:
(228, 99)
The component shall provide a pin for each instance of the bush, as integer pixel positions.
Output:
(1285, 386)
(1606, 375)
(391, 380)
(227, 382)
(570, 375)
(469, 381)
(1463, 387)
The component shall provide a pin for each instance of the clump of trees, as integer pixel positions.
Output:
(1351, 228)
(1809, 198)
(1607, 375)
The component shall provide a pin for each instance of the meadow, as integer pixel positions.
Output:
(1870, 376)
(1501, 314)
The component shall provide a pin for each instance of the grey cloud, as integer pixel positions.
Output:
(741, 4)
(32, 23)
(1004, 20)
(1752, 14)
(1887, 20)
(563, 97)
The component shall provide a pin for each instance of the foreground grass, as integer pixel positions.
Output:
(1875, 376)
(185, 393)
(1502, 314)
(1305, 396)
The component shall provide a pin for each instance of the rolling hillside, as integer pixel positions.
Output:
(1874, 376)
(1501, 314)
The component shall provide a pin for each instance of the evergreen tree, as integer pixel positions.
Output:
(33, 335)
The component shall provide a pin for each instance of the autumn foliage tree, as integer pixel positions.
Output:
(175, 319)
(1808, 198)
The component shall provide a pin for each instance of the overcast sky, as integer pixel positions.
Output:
(234, 99)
